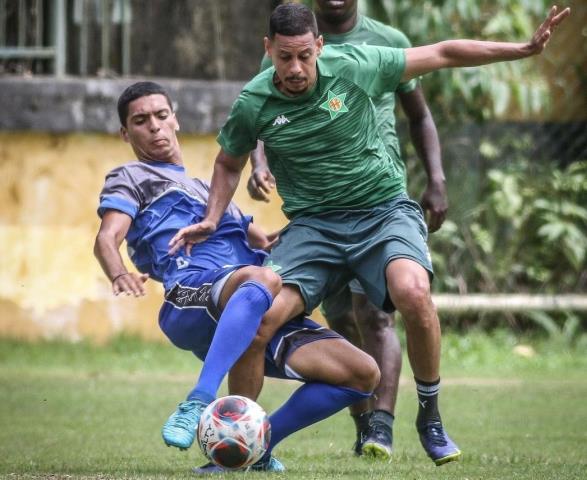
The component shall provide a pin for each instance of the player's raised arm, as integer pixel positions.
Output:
(113, 230)
(227, 172)
(471, 53)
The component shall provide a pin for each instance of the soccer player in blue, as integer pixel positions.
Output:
(217, 293)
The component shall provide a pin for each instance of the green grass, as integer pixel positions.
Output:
(73, 411)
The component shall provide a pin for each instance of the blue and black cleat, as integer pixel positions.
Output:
(438, 445)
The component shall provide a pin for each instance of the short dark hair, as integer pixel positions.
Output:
(292, 19)
(138, 90)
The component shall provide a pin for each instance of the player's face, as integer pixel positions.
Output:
(294, 59)
(151, 129)
(335, 11)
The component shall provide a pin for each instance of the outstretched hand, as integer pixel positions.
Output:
(544, 31)
(188, 236)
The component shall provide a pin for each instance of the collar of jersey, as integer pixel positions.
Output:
(341, 37)
(171, 166)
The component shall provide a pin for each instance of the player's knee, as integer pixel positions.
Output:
(412, 296)
(268, 278)
(371, 375)
(272, 281)
(373, 320)
(365, 374)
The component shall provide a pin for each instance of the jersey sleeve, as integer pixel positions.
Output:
(238, 137)
(377, 69)
(120, 193)
(399, 40)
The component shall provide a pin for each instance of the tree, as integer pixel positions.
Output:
(473, 93)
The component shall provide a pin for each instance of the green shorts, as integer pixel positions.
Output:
(321, 253)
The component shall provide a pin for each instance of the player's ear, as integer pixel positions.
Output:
(267, 44)
(124, 134)
(319, 44)
(176, 122)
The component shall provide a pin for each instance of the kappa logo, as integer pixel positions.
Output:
(280, 120)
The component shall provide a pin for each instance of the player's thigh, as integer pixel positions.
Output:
(286, 305)
(335, 361)
(308, 258)
(402, 235)
(188, 326)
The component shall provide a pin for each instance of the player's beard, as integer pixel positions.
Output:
(303, 84)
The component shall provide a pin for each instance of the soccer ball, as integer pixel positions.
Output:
(234, 432)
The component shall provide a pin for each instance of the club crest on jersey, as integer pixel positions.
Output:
(280, 120)
(335, 104)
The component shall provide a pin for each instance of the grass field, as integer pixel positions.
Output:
(80, 411)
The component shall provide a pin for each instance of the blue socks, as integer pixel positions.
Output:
(309, 404)
(236, 330)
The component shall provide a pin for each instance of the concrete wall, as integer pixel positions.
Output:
(50, 283)
(89, 104)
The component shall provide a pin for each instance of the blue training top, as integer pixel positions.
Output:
(160, 198)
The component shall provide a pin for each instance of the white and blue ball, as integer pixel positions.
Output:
(234, 432)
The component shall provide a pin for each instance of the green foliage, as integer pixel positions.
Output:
(569, 331)
(528, 233)
(473, 93)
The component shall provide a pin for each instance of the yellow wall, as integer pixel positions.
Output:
(50, 283)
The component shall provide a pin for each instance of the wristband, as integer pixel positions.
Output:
(118, 276)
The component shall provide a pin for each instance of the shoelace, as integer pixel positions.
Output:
(436, 436)
(381, 431)
(188, 411)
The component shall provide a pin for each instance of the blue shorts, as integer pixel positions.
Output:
(189, 317)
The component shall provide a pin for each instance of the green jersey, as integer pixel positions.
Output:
(371, 32)
(323, 147)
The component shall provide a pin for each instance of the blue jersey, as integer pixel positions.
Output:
(160, 198)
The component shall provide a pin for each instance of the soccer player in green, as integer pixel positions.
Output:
(342, 191)
(349, 311)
